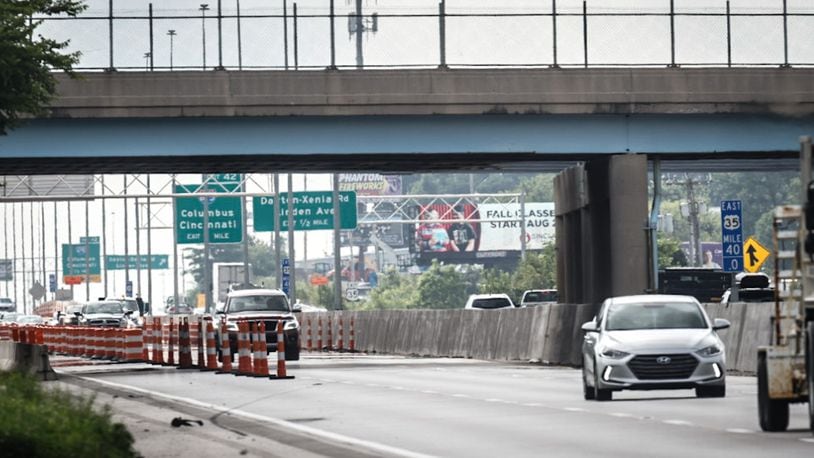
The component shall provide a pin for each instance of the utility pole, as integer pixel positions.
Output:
(357, 26)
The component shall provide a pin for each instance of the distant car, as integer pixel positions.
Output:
(308, 308)
(108, 314)
(7, 305)
(489, 302)
(751, 288)
(182, 309)
(69, 317)
(9, 317)
(254, 305)
(653, 342)
(29, 320)
(535, 297)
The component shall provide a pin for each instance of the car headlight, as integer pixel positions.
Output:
(612, 353)
(292, 324)
(712, 350)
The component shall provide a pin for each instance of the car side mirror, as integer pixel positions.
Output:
(720, 323)
(296, 308)
(77, 314)
(220, 312)
(590, 326)
(128, 313)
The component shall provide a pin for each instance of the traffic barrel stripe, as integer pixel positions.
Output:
(184, 345)
(281, 372)
(225, 350)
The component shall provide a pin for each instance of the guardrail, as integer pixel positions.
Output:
(188, 35)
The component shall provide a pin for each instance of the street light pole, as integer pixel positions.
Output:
(172, 34)
(147, 61)
(204, 8)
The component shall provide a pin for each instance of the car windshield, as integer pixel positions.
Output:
(672, 315)
(491, 303)
(541, 296)
(5, 300)
(104, 307)
(277, 303)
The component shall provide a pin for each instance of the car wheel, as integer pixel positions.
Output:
(773, 413)
(711, 391)
(601, 394)
(292, 353)
(587, 391)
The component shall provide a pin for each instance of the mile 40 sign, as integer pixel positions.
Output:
(732, 235)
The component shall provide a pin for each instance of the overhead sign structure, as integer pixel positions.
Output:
(754, 255)
(313, 210)
(732, 235)
(155, 262)
(81, 260)
(225, 215)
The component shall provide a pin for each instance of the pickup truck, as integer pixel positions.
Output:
(535, 297)
(256, 305)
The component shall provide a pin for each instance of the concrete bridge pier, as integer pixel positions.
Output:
(601, 216)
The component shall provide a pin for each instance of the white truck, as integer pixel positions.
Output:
(227, 276)
(785, 367)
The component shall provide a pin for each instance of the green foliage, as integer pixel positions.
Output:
(536, 271)
(27, 84)
(441, 287)
(261, 258)
(39, 423)
(394, 292)
(670, 253)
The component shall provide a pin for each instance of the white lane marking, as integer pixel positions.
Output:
(740, 431)
(494, 400)
(532, 404)
(807, 439)
(429, 392)
(274, 421)
(459, 395)
(677, 422)
(399, 388)
(575, 409)
(373, 385)
(622, 415)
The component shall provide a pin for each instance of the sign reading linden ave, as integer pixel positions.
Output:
(312, 211)
(225, 216)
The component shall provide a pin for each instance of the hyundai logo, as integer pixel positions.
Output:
(663, 360)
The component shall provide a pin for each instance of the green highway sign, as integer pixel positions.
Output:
(225, 215)
(313, 210)
(156, 262)
(225, 178)
(76, 258)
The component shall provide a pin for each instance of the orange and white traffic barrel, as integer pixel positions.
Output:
(184, 345)
(330, 334)
(308, 341)
(133, 346)
(341, 342)
(260, 362)
(171, 344)
(281, 373)
(319, 334)
(352, 336)
(211, 354)
(225, 350)
(146, 340)
(244, 356)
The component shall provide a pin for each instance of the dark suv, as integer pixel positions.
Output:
(255, 305)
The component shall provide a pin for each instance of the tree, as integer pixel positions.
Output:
(27, 84)
(441, 287)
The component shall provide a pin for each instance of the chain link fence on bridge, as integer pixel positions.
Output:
(380, 34)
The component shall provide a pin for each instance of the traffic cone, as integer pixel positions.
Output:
(184, 346)
(200, 337)
(341, 343)
(171, 344)
(308, 341)
(261, 366)
(211, 356)
(281, 373)
(330, 334)
(158, 341)
(225, 350)
(244, 361)
(352, 342)
(319, 334)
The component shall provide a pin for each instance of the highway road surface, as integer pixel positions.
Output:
(361, 405)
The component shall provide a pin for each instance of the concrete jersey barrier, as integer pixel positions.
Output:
(549, 334)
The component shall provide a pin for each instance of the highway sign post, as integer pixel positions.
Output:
(225, 215)
(128, 288)
(313, 210)
(754, 255)
(732, 235)
(52, 283)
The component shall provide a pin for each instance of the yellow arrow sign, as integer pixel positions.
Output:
(754, 255)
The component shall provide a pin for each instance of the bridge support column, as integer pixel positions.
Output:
(601, 214)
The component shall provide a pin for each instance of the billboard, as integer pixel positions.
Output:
(370, 184)
(492, 229)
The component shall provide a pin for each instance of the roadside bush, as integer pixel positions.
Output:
(38, 423)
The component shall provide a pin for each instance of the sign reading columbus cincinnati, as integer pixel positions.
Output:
(370, 184)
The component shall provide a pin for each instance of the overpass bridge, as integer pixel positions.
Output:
(611, 121)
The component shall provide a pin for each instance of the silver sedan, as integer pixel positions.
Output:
(653, 342)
